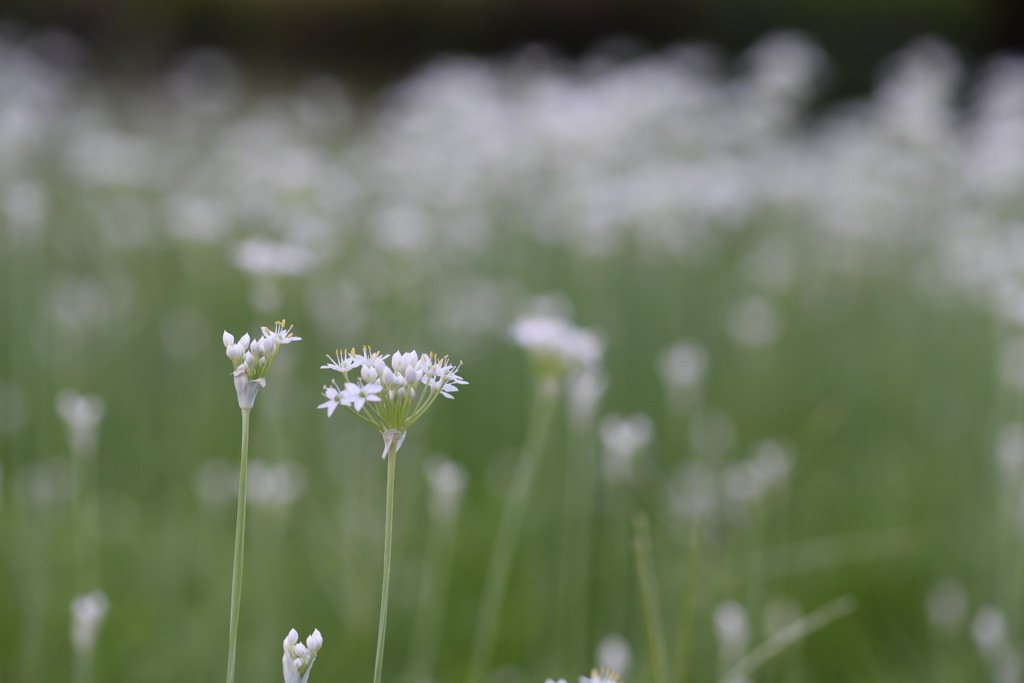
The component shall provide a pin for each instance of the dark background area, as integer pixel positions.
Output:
(381, 39)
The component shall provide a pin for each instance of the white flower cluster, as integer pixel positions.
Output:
(252, 359)
(298, 658)
(556, 345)
(394, 396)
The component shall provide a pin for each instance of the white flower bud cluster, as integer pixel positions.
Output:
(394, 396)
(556, 345)
(298, 658)
(252, 358)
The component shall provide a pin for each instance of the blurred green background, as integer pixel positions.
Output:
(811, 315)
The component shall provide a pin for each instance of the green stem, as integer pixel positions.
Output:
(649, 595)
(690, 596)
(572, 620)
(236, 572)
(388, 519)
(507, 535)
(82, 667)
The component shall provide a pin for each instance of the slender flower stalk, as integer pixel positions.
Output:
(82, 414)
(690, 599)
(382, 624)
(572, 618)
(239, 555)
(789, 635)
(251, 360)
(507, 536)
(555, 347)
(391, 397)
(649, 596)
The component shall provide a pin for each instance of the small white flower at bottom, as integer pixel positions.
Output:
(298, 659)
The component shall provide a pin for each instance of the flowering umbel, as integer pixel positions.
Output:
(298, 658)
(392, 396)
(252, 359)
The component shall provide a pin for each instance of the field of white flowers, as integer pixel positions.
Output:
(745, 393)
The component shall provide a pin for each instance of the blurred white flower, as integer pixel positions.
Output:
(602, 675)
(447, 482)
(683, 365)
(81, 414)
(692, 492)
(623, 438)
(265, 257)
(614, 653)
(88, 612)
(989, 630)
(586, 388)
(749, 480)
(110, 157)
(196, 217)
(1010, 449)
(732, 630)
(555, 345)
(946, 605)
(298, 659)
(754, 322)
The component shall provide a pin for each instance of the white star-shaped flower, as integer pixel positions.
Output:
(357, 395)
